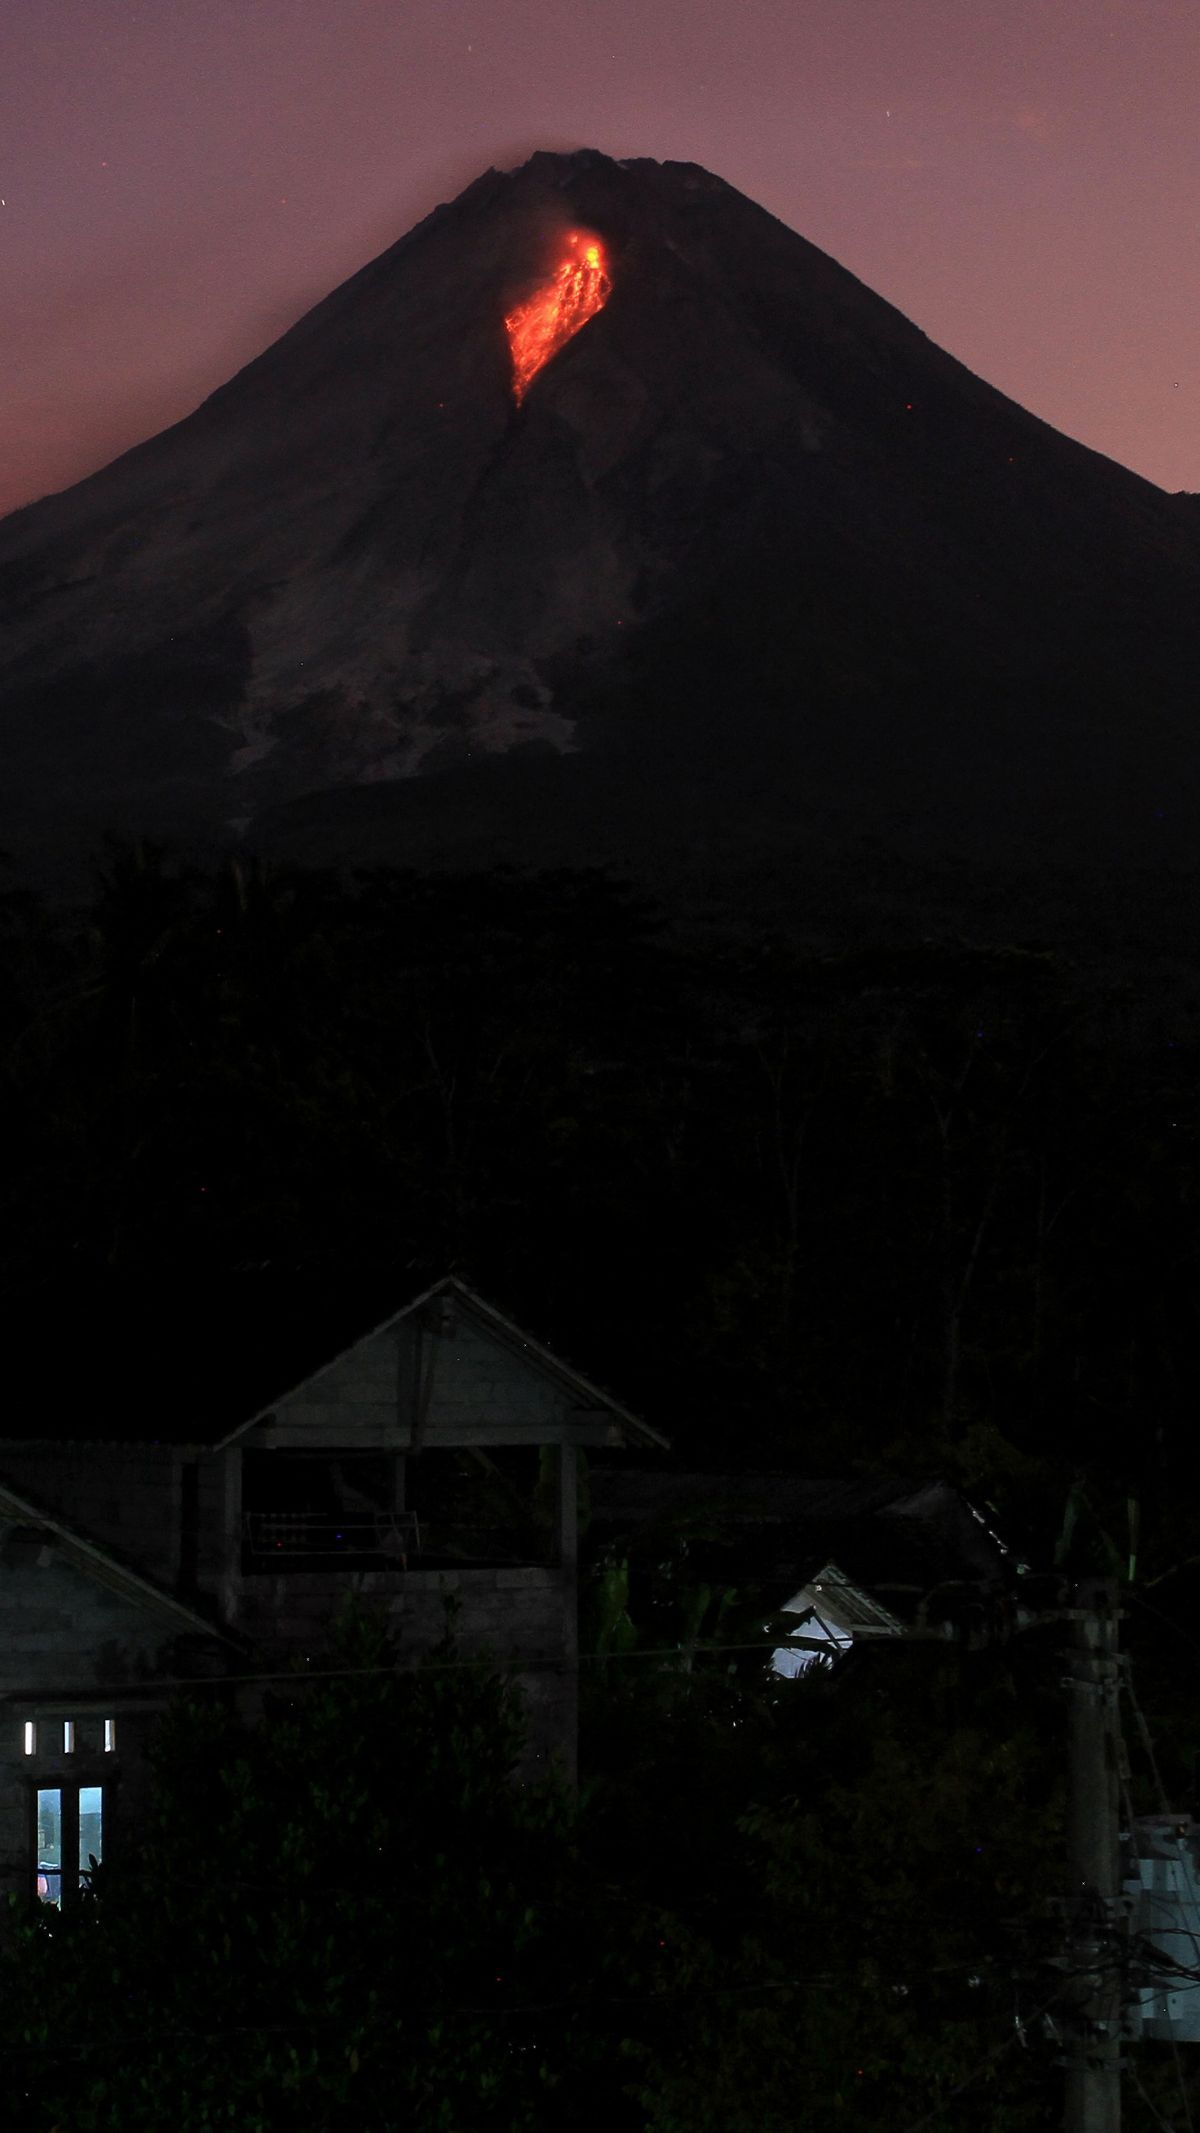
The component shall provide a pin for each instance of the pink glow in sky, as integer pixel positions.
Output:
(182, 178)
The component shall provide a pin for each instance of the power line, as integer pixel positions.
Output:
(486, 1663)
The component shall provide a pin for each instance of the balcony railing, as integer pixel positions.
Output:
(286, 1539)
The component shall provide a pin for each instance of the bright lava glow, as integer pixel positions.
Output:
(537, 330)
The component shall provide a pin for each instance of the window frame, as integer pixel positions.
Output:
(73, 1878)
(84, 1759)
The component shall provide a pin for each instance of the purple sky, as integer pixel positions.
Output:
(181, 178)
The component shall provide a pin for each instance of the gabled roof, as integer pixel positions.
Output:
(95, 1562)
(583, 1391)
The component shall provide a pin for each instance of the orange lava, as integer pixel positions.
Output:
(537, 330)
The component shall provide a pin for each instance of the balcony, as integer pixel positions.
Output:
(276, 1541)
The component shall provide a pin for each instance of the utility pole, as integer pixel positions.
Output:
(1094, 1917)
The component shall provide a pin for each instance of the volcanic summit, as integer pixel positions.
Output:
(605, 518)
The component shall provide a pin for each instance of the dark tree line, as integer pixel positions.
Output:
(935, 1205)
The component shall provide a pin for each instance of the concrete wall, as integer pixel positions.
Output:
(517, 1612)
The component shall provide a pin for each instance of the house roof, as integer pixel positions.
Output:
(901, 1539)
(582, 1390)
(105, 1569)
(831, 1595)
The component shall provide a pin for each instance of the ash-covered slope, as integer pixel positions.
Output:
(752, 565)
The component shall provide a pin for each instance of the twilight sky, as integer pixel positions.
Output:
(182, 178)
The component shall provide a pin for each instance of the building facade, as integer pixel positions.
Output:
(427, 1472)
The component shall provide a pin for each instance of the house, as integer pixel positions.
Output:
(831, 1564)
(429, 1464)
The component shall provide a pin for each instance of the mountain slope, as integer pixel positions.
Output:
(752, 569)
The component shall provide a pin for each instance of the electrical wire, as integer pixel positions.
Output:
(486, 1663)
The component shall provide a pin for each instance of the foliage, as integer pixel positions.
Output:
(775, 1906)
(853, 1863)
(350, 1914)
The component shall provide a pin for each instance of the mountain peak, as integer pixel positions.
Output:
(742, 534)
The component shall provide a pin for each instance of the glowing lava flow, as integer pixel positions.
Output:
(538, 329)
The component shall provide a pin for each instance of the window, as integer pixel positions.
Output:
(70, 1839)
(67, 1813)
(49, 1845)
(48, 1738)
(91, 1828)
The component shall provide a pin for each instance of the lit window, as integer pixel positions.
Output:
(49, 1846)
(110, 1735)
(70, 1839)
(68, 1736)
(91, 1829)
(30, 1737)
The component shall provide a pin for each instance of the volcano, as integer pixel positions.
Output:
(604, 519)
